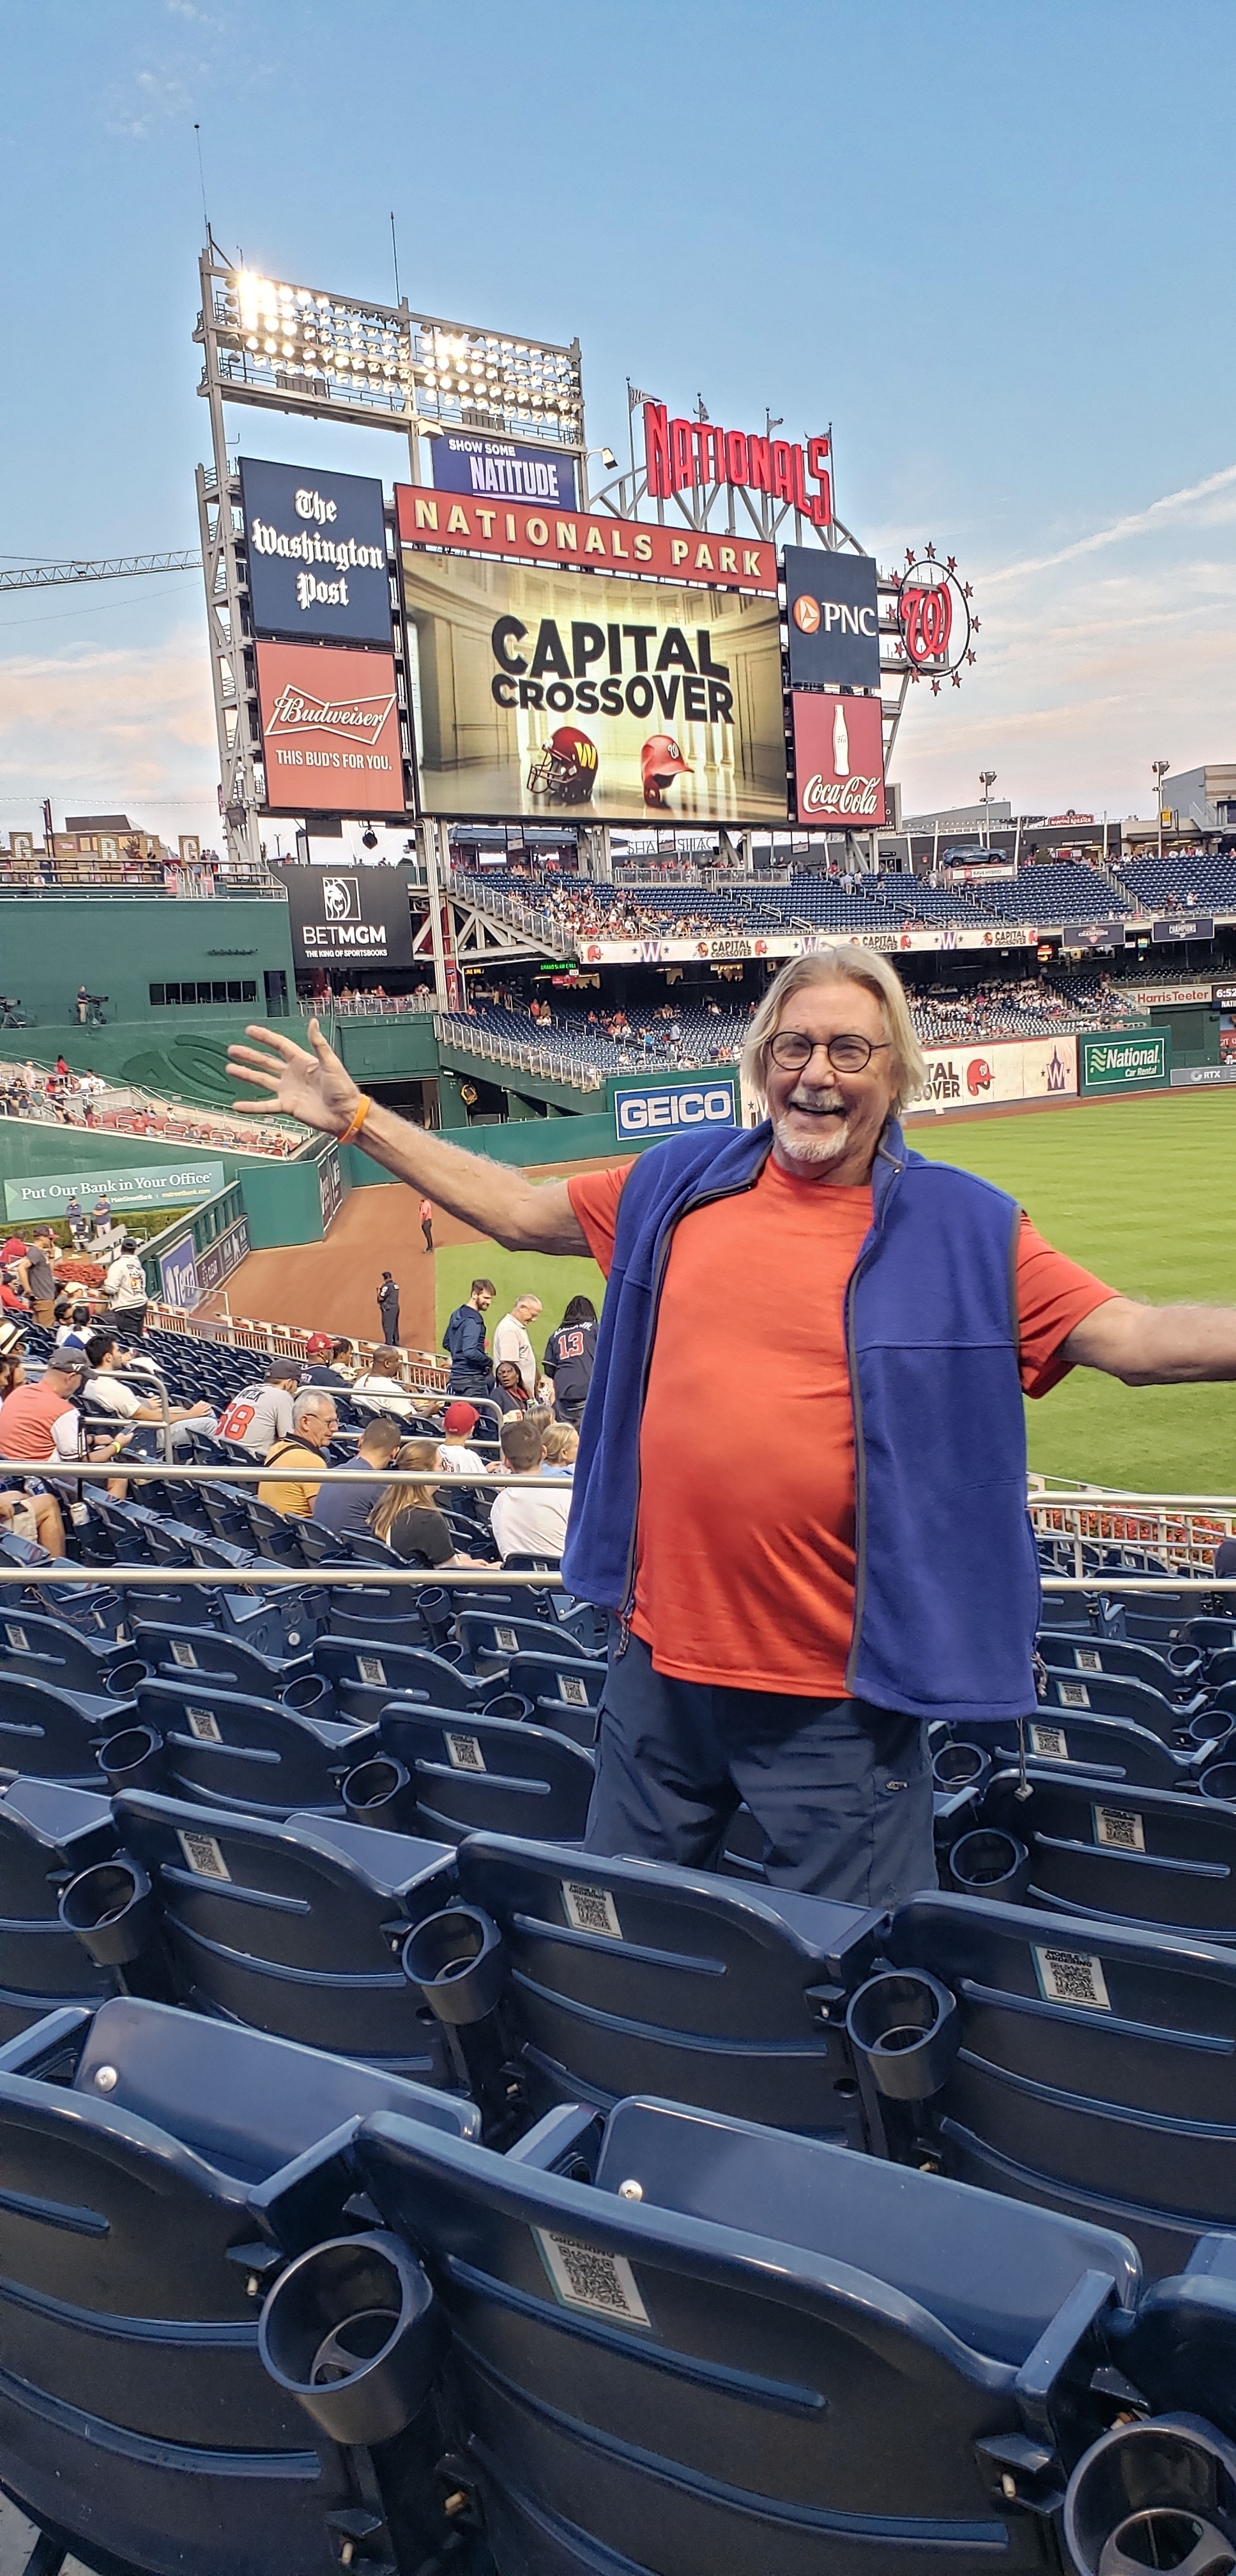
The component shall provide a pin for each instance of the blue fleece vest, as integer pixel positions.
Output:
(947, 1584)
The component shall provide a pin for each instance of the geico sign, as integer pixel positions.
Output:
(643, 1113)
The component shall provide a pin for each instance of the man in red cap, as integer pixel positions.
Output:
(322, 1356)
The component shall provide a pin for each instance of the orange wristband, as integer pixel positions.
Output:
(357, 1120)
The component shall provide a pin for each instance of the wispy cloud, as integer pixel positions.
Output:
(97, 728)
(1138, 523)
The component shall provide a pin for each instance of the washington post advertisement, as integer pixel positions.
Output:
(543, 692)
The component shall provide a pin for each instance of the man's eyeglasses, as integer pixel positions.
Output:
(793, 1051)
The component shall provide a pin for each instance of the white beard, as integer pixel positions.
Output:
(824, 1148)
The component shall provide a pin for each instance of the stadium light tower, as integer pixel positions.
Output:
(987, 780)
(1160, 768)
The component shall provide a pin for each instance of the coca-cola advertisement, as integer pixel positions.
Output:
(330, 726)
(838, 759)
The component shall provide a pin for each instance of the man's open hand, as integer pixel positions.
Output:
(316, 1088)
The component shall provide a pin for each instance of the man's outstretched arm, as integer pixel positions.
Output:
(1156, 1345)
(316, 1088)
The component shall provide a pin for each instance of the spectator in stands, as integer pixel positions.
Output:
(39, 1278)
(458, 1422)
(512, 1394)
(109, 1390)
(17, 1501)
(75, 1329)
(262, 1413)
(323, 1358)
(408, 1518)
(42, 1423)
(525, 1523)
(125, 1288)
(464, 1342)
(561, 1448)
(382, 1384)
(344, 1509)
(314, 1424)
(570, 1354)
(511, 1339)
(785, 1634)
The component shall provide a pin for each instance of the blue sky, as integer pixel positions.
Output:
(991, 244)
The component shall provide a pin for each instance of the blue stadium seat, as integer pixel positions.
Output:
(170, 1652)
(1080, 2064)
(1108, 1748)
(49, 1734)
(628, 1977)
(578, 1680)
(47, 1834)
(1171, 1670)
(1133, 1855)
(146, 2204)
(51, 1650)
(294, 1928)
(230, 1750)
(361, 1674)
(1135, 1703)
(684, 2369)
(470, 1773)
(494, 1635)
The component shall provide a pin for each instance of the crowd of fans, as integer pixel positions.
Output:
(56, 1095)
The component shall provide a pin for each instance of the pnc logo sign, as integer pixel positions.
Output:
(640, 1114)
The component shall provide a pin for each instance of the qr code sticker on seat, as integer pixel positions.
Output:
(1071, 1977)
(1074, 1695)
(506, 1641)
(203, 1726)
(1049, 1742)
(372, 1669)
(1119, 1829)
(572, 1690)
(183, 1655)
(464, 1751)
(17, 1637)
(1087, 1659)
(204, 1856)
(585, 2276)
(591, 1909)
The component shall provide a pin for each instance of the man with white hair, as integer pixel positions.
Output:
(511, 1339)
(314, 1424)
(789, 1613)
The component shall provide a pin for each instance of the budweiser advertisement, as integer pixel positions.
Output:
(330, 726)
(484, 524)
(838, 758)
(546, 693)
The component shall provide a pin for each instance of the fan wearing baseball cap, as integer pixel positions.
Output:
(459, 1422)
(323, 1354)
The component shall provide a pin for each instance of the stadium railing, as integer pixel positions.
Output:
(421, 1372)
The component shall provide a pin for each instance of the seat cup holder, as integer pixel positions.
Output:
(134, 1759)
(510, 1704)
(1219, 1782)
(457, 1959)
(125, 1678)
(1161, 2494)
(381, 1792)
(437, 1610)
(111, 1909)
(310, 1695)
(353, 2330)
(905, 2025)
(991, 1864)
(960, 1766)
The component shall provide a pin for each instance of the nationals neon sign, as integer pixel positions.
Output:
(687, 455)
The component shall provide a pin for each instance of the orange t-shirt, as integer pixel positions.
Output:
(745, 1544)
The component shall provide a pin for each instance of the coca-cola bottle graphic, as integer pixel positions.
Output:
(841, 743)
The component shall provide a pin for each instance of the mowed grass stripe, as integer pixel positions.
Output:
(1139, 1191)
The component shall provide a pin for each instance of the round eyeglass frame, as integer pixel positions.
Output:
(850, 1062)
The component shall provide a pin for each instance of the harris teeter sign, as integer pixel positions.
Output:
(1126, 1063)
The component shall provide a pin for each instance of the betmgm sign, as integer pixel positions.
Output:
(648, 1111)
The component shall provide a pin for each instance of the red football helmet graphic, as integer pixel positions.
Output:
(566, 768)
(661, 762)
(978, 1076)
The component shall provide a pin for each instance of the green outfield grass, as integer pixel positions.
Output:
(1140, 1191)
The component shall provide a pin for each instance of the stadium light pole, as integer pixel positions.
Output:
(987, 780)
(1160, 768)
